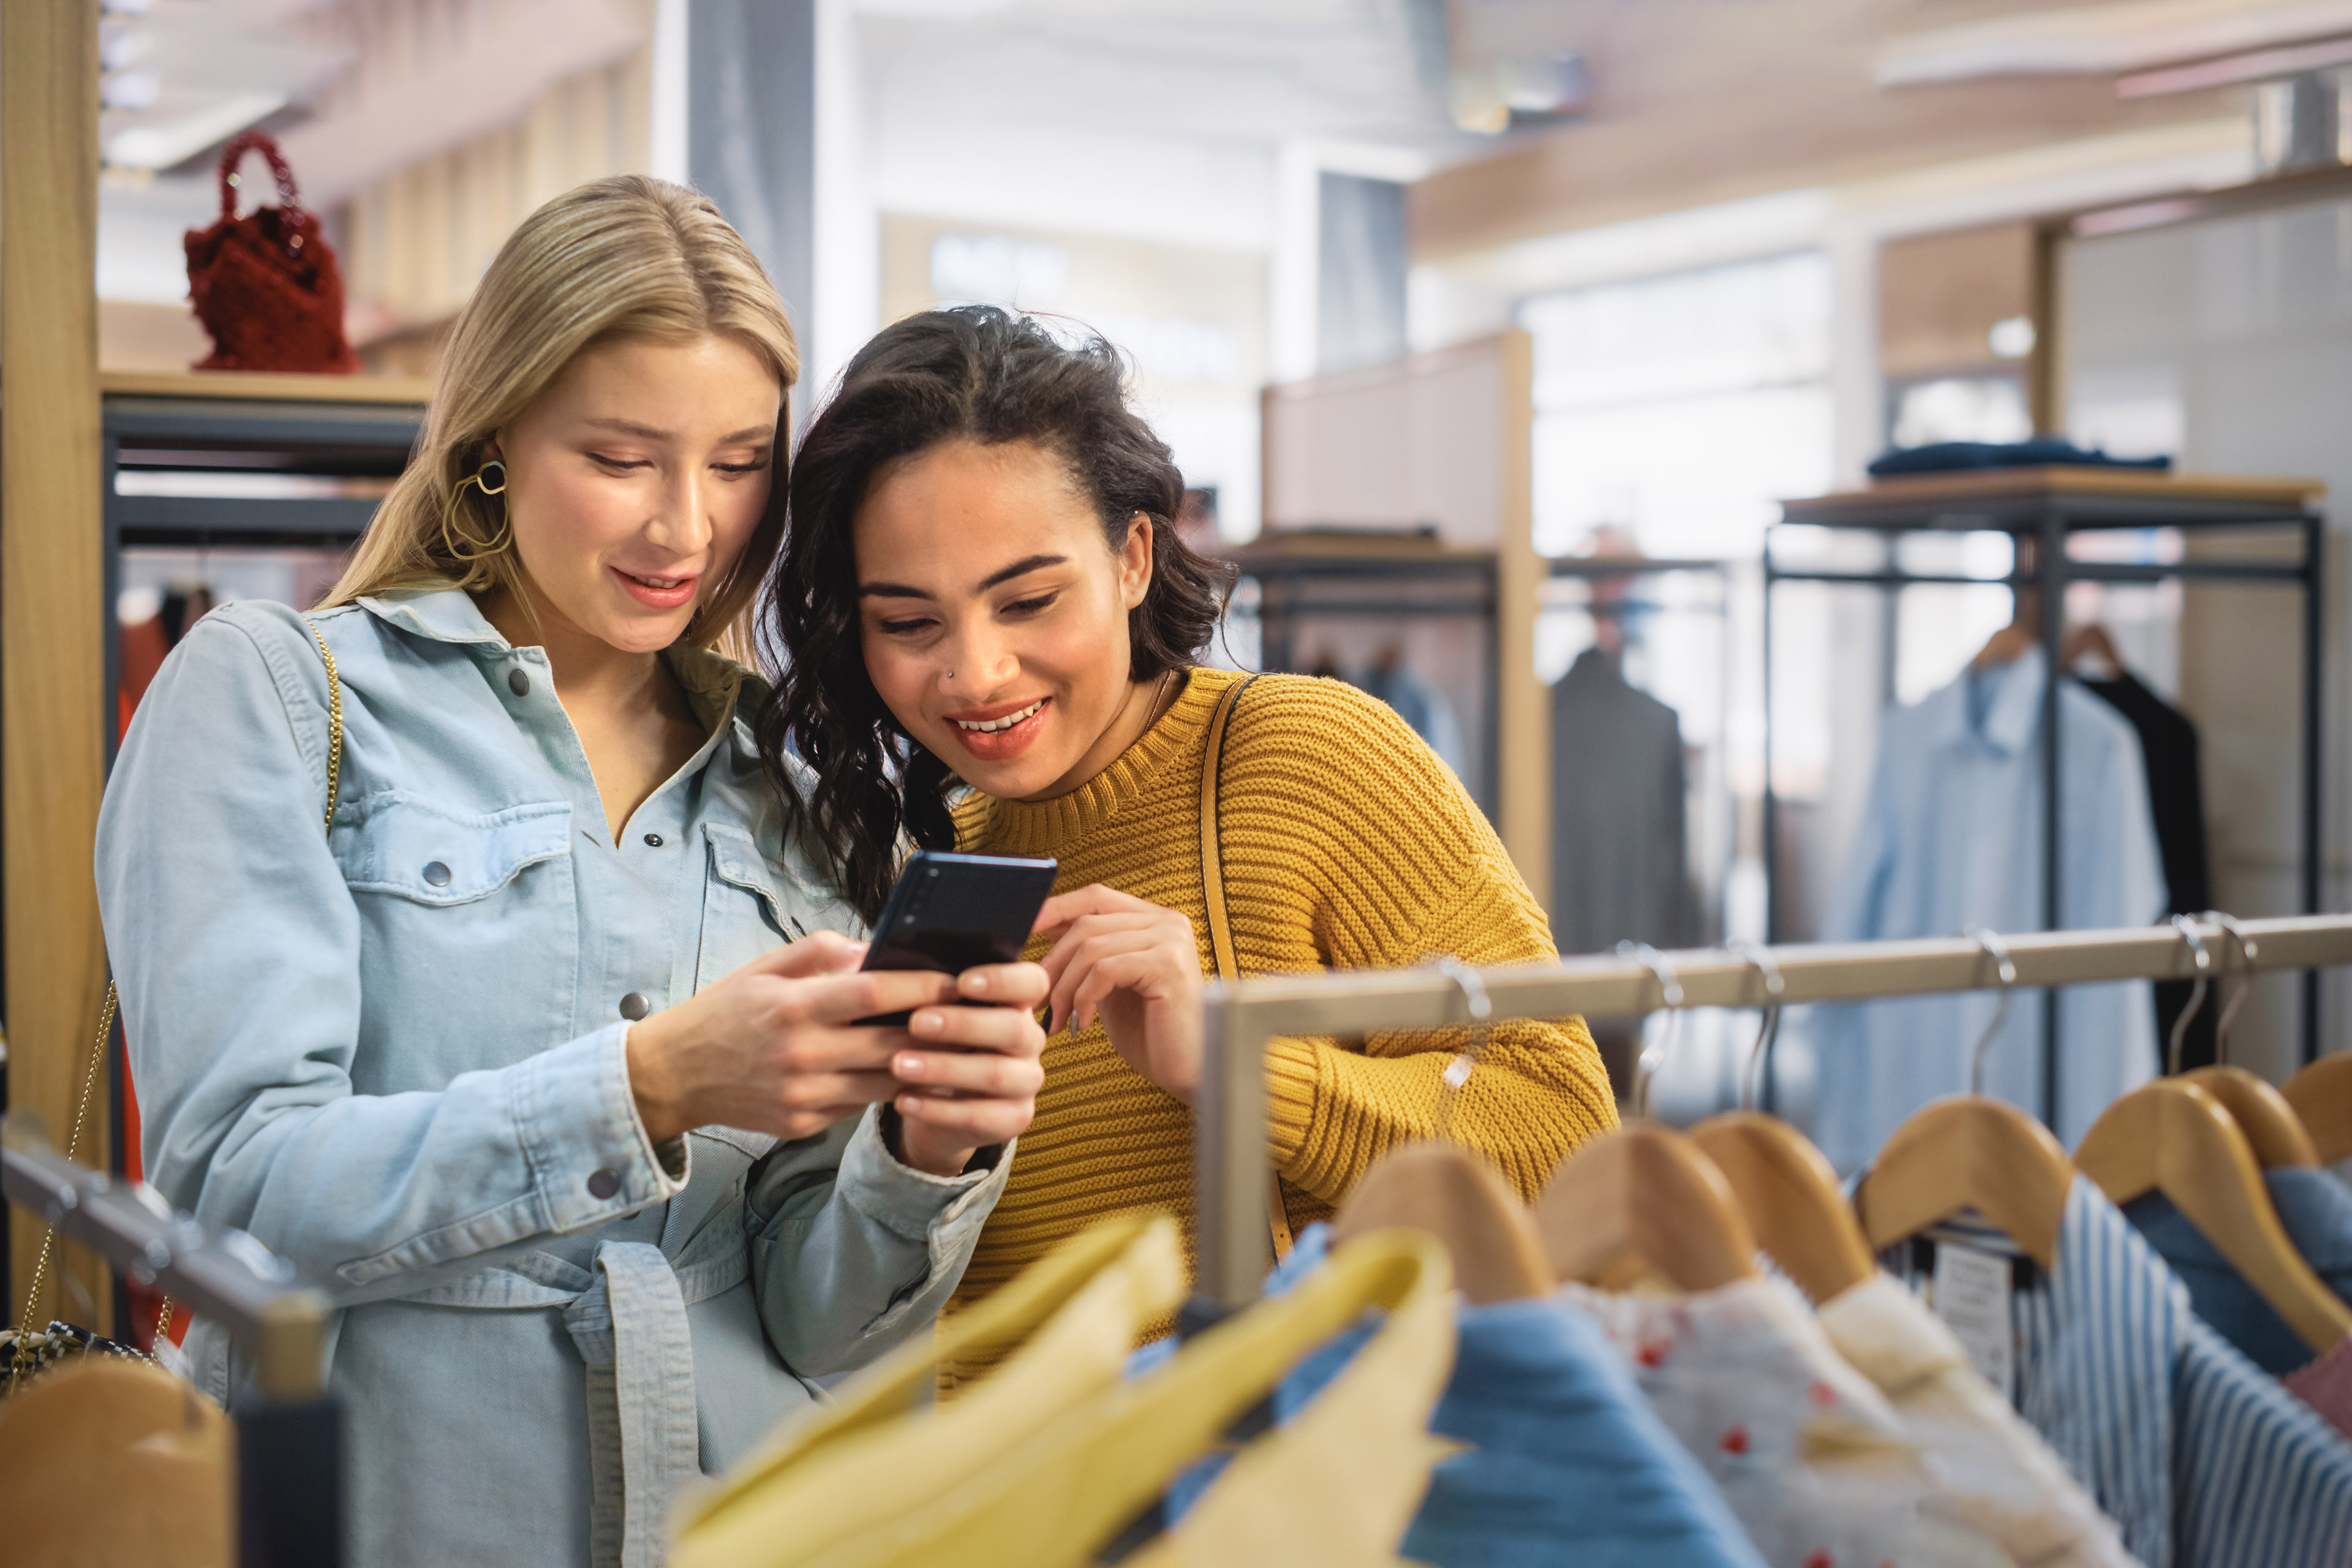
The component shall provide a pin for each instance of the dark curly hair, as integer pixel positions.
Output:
(979, 374)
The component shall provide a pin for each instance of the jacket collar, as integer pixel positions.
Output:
(716, 686)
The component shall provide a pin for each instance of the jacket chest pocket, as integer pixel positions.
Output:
(424, 853)
(751, 905)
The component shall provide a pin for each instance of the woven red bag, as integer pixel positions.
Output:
(266, 285)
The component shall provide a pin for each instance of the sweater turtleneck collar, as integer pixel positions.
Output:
(1041, 827)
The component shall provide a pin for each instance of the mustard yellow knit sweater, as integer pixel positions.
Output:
(1348, 844)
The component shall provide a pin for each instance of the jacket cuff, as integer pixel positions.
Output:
(1292, 1076)
(577, 1122)
(909, 1202)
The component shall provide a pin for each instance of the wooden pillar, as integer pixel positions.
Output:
(1523, 707)
(52, 654)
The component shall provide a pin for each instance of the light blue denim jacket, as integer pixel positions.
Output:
(394, 1053)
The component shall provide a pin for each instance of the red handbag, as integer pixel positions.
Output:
(266, 285)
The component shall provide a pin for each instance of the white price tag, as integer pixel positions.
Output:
(1971, 1295)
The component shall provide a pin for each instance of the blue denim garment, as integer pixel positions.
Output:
(395, 1053)
(1566, 1462)
(2316, 1210)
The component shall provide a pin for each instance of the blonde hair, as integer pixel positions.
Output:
(623, 258)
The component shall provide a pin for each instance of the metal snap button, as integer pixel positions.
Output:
(519, 683)
(436, 873)
(653, 839)
(634, 1006)
(604, 1183)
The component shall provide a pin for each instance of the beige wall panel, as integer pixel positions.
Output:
(52, 661)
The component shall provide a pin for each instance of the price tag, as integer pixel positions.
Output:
(1971, 1295)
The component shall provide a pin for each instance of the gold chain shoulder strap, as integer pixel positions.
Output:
(107, 1011)
(1212, 896)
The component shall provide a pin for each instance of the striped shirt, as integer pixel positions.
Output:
(2200, 1458)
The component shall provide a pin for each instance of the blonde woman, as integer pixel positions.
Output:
(542, 1055)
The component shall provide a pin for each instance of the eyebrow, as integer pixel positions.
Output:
(655, 433)
(1019, 568)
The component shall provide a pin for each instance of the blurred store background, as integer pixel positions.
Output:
(1490, 335)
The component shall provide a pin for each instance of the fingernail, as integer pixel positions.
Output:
(909, 1104)
(906, 1065)
(976, 983)
(927, 1023)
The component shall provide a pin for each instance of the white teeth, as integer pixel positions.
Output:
(1004, 724)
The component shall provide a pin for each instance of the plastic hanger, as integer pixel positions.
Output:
(2172, 1137)
(2261, 1112)
(1785, 1188)
(1972, 1152)
(1456, 1196)
(1644, 1199)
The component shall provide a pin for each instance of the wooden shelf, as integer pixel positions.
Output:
(1999, 493)
(266, 386)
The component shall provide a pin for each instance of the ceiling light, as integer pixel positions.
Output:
(177, 141)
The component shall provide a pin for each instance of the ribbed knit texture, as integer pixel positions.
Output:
(1348, 844)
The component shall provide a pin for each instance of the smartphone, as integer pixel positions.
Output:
(949, 912)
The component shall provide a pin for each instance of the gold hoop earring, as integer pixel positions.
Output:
(473, 550)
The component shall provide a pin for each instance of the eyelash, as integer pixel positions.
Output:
(1021, 606)
(624, 464)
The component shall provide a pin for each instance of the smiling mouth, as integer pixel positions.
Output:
(659, 584)
(989, 726)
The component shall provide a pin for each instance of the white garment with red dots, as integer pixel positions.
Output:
(1812, 1460)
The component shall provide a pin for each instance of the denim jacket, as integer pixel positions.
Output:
(394, 1053)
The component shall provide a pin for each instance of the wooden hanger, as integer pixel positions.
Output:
(1638, 1201)
(1969, 1153)
(2172, 1137)
(2263, 1114)
(2090, 639)
(1465, 1202)
(1789, 1197)
(2321, 1095)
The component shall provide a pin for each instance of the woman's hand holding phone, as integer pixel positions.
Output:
(775, 1048)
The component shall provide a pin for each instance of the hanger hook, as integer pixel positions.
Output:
(1457, 1071)
(1670, 998)
(2005, 969)
(1760, 1053)
(2186, 927)
(2243, 968)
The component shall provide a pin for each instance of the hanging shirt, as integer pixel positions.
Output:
(1620, 869)
(2200, 1458)
(1952, 837)
(2015, 1487)
(1566, 1460)
(2176, 800)
(2316, 1210)
(1814, 1462)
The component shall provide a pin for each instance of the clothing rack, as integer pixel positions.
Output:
(1237, 1021)
(2049, 506)
(289, 1477)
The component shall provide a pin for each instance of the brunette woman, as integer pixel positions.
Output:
(992, 638)
(540, 1051)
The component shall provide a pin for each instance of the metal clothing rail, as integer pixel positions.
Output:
(290, 1476)
(1238, 1021)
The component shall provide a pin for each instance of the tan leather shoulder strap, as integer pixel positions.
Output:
(1213, 899)
(1212, 853)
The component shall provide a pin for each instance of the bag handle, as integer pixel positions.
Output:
(106, 1011)
(234, 154)
(1212, 896)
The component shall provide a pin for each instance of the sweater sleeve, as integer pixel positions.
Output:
(1402, 866)
(1539, 1091)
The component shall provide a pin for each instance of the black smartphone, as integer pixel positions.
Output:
(949, 912)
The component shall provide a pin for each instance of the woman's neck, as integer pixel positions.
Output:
(1141, 709)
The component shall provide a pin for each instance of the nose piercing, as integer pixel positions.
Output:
(950, 675)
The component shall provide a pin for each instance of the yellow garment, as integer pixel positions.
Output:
(1348, 844)
(823, 1478)
(953, 1485)
(1337, 1488)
